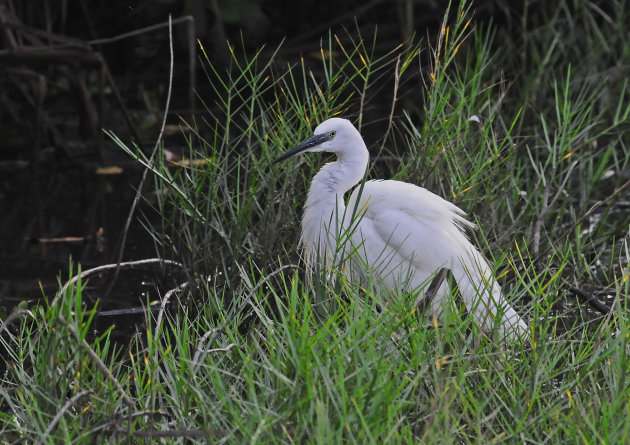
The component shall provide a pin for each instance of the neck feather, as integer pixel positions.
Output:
(322, 222)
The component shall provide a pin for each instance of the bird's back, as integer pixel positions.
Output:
(410, 198)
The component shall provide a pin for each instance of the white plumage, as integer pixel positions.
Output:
(396, 234)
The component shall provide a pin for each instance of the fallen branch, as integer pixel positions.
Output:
(590, 211)
(126, 311)
(96, 359)
(227, 348)
(591, 299)
(15, 314)
(391, 113)
(98, 269)
(214, 332)
(163, 304)
(136, 199)
(546, 206)
(60, 414)
(201, 343)
(193, 434)
(115, 421)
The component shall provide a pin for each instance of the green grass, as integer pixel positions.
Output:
(257, 354)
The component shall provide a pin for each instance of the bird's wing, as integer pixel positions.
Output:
(417, 201)
(419, 225)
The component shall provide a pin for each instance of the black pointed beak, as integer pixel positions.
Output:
(310, 143)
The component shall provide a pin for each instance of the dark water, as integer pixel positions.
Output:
(66, 210)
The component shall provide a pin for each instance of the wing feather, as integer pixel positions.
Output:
(409, 219)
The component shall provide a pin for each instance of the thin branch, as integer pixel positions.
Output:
(590, 299)
(151, 158)
(227, 348)
(96, 359)
(158, 325)
(163, 304)
(127, 311)
(394, 99)
(546, 206)
(121, 103)
(98, 269)
(216, 331)
(15, 314)
(60, 414)
(589, 213)
(201, 343)
(117, 420)
(193, 434)
(260, 284)
(185, 18)
(599, 204)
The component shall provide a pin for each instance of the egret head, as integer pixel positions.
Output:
(334, 135)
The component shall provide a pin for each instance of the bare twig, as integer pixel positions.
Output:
(181, 433)
(136, 32)
(117, 420)
(260, 284)
(119, 99)
(96, 359)
(590, 211)
(227, 348)
(60, 414)
(127, 311)
(98, 269)
(591, 299)
(158, 324)
(546, 206)
(123, 241)
(15, 314)
(202, 341)
(599, 204)
(216, 331)
(394, 99)
(579, 221)
(163, 304)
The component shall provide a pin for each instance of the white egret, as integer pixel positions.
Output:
(397, 234)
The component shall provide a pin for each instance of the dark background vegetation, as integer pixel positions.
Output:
(63, 79)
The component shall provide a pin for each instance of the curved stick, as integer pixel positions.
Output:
(125, 265)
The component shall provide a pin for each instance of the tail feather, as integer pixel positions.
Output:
(484, 299)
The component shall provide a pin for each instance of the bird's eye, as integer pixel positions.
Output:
(331, 134)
